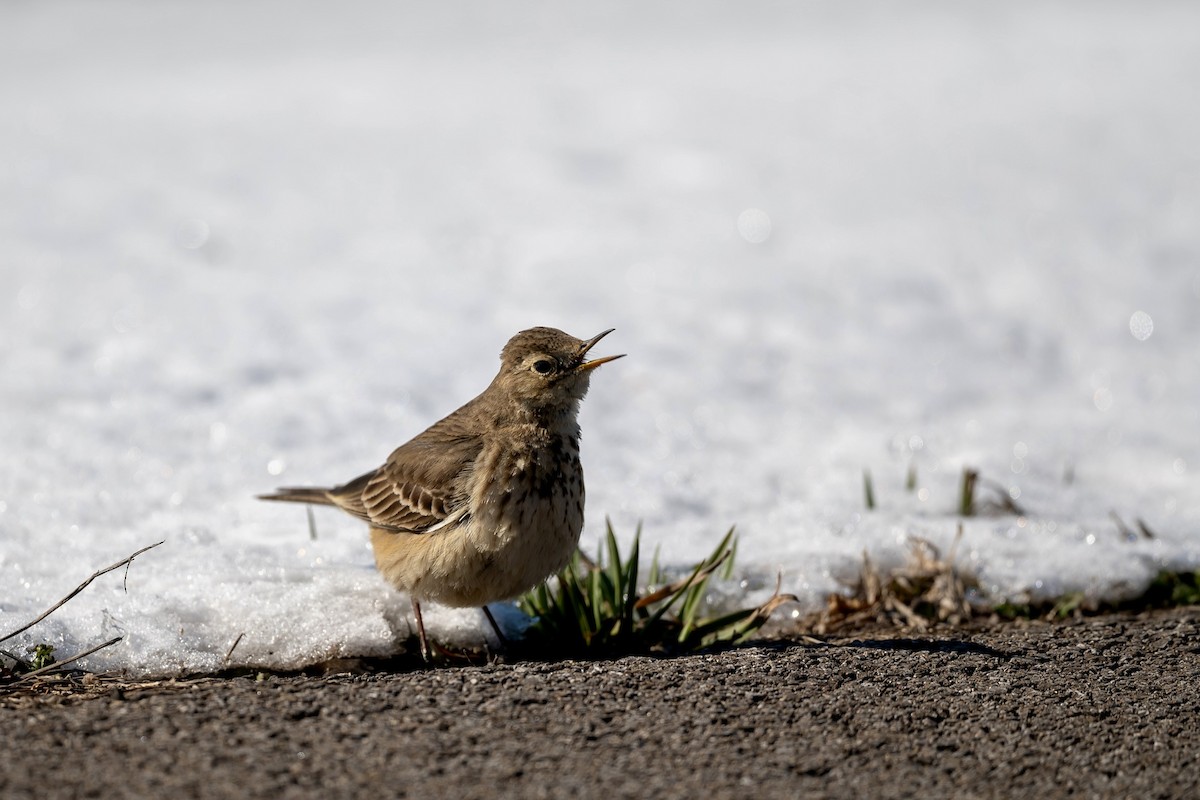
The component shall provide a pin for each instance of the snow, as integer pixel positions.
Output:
(253, 245)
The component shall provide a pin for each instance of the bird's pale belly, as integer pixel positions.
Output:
(514, 541)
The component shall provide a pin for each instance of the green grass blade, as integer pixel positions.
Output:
(631, 586)
(598, 585)
(727, 570)
(692, 601)
(655, 575)
(614, 556)
(700, 573)
(723, 628)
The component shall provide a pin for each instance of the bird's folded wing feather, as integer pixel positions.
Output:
(420, 486)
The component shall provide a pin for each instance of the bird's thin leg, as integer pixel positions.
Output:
(499, 636)
(425, 654)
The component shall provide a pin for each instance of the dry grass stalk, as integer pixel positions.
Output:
(926, 590)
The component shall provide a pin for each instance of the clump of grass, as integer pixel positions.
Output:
(38, 656)
(41, 655)
(1169, 589)
(926, 590)
(1071, 604)
(595, 608)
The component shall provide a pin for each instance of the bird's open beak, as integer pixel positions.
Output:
(588, 345)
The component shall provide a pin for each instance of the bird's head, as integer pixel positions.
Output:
(544, 369)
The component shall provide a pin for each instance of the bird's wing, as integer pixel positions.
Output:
(422, 483)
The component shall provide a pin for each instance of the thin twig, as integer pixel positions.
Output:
(58, 664)
(122, 563)
(20, 662)
(233, 646)
(1122, 528)
(1144, 528)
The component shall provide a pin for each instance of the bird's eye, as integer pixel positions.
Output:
(543, 366)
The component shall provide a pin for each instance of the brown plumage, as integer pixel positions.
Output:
(488, 502)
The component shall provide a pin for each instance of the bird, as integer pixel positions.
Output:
(488, 502)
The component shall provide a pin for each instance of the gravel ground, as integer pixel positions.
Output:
(1100, 707)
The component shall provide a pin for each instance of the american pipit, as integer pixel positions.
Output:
(488, 502)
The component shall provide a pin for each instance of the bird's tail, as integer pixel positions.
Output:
(300, 494)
